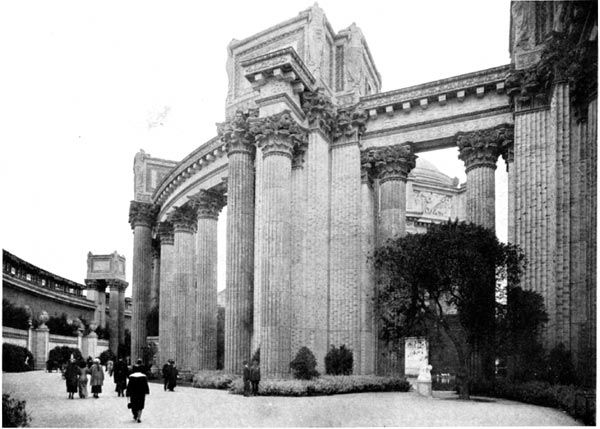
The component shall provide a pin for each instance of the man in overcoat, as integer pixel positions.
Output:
(137, 389)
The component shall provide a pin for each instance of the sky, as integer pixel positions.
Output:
(85, 85)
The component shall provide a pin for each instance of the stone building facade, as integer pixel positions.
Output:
(314, 164)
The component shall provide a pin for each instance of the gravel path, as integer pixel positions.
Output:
(48, 405)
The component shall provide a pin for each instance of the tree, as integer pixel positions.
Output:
(15, 316)
(454, 266)
(304, 365)
(339, 361)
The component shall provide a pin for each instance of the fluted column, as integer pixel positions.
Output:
(121, 315)
(479, 150)
(275, 136)
(154, 291)
(239, 277)
(508, 153)
(96, 292)
(208, 204)
(141, 218)
(166, 310)
(113, 314)
(184, 227)
(391, 165)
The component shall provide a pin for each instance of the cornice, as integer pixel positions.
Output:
(450, 86)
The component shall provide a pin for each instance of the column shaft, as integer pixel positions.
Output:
(481, 196)
(392, 211)
(166, 310)
(240, 260)
(113, 320)
(121, 316)
(141, 283)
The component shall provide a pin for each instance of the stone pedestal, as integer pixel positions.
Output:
(41, 348)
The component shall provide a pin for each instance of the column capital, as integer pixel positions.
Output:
(165, 233)
(98, 285)
(349, 122)
(120, 285)
(236, 134)
(184, 219)
(278, 134)
(142, 214)
(481, 148)
(319, 110)
(389, 162)
(208, 203)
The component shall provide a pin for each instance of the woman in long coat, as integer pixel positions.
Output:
(97, 378)
(137, 389)
(72, 377)
(83, 380)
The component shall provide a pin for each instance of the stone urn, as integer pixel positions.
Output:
(43, 318)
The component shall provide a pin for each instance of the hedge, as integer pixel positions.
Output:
(326, 385)
(13, 413)
(579, 403)
(213, 380)
(16, 358)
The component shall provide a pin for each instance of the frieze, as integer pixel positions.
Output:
(208, 203)
(477, 79)
(433, 204)
(142, 214)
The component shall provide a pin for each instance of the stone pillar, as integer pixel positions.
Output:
(41, 344)
(391, 165)
(96, 291)
(113, 319)
(155, 291)
(479, 151)
(276, 138)
(208, 205)
(166, 310)
(121, 314)
(184, 226)
(239, 280)
(141, 218)
(508, 154)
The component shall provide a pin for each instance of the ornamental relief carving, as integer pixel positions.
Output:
(389, 162)
(208, 203)
(278, 133)
(142, 214)
(482, 147)
(432, 203)
(236, 134)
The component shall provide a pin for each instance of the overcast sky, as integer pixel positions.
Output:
(85, 85)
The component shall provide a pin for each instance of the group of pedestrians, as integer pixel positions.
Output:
(76, 377)
(251, 378)
(170, 373)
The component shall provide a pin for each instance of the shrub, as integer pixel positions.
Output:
(577, 402)
(338, 361)
(14, 316)
(62, 354)
(304, 365)
(326, 385)
(60, 325)
(213, 380)
(560, 366)
(256, 355)
(107, 355)
(221, 337)
(16, 358)
(13, 412)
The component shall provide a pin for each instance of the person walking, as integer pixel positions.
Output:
(97, 378)
(246, 378)
(166, 373)
(173, 373)
(120, 377)
(137, 389)
(83, 380)
(255, 376)
(110, 367)
(72, 377)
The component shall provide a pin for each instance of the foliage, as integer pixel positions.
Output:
(221, 337)
(14, 413)
(102, 333)
(61, 325)
(560, 366)
(213, 379)
(339, 361)
(519, 322)
(304, 364)
(16, 358)
(152, 322)
(454, 266)
(107, 355)
(326, 385)
(62, 354)
(14, 316)
(577, 402)
(256, 355)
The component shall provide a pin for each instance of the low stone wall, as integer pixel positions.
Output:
(18, 337)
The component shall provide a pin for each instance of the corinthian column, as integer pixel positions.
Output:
(141, 218)
(184, 226)
(479, 151)
(113, 312)
(508, 153)
(239, 277)
(166, 310)
(208, 205)
(277, 136)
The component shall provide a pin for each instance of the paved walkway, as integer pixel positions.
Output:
(48, 405)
